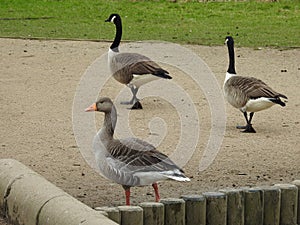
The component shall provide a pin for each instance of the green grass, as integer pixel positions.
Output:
(251, 23)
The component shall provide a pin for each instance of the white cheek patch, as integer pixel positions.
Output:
(112, 19)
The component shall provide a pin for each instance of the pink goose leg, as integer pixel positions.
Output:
(127, 194)
(155, 187)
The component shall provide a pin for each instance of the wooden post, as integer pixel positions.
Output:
(195, 209)
(174, 211)
(131, 215)
(113, 213)
(216, 208)
(154, 213)
(235, 206)
(289, 200)
(297, 183)
(272, 199)
(254, 203)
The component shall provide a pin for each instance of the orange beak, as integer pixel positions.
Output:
(91, 108)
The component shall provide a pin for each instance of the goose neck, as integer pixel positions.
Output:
(115, 45)
(110, 120)
(231, 67)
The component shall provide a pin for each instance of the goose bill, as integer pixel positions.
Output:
(91, 108)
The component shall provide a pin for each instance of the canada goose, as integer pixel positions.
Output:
(131, 69)
(129, 162)
(248, 94)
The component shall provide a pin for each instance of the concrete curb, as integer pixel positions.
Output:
(28, 198)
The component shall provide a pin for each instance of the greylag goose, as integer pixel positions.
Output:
(131, 69)
(248, 94)
(129, 162)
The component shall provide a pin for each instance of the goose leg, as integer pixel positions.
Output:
(127, 194)
(134, 91)
(157, 196)
(246, 117)
(251, 116)
(134, 100)
(248, 128)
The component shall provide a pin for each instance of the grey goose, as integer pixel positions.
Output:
(129, 162)
(131, 69)
(248, 94)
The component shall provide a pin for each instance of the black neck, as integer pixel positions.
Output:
(231, 68)
(115, 45)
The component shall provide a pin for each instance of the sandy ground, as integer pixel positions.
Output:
(38, 83)
(2, 222)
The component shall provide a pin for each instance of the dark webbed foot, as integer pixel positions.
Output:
(249, 129)
(241, 127)
(137, 105)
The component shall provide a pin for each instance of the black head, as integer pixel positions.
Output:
(229, 40)
(104, 104)
(113, 18)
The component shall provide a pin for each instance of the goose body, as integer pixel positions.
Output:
(248, 94)
(131, 69)
(129, 162)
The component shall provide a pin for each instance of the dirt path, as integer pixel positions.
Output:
(38, 83)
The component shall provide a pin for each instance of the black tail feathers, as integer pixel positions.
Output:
(163, 74)
(278, 100)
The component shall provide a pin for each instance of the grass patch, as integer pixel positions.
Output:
(251, 23)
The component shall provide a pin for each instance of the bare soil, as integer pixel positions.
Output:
(38, 83)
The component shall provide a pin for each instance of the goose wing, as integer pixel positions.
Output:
(137, 155)
(134, 63)
(253, 88)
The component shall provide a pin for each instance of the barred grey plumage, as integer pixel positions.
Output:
(129, 162)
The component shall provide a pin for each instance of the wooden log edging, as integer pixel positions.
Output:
(195, 209)
(28, 198)
(113, 213)
(235, 206)
(254, 204)
(297, 183)
(131, 215)
(154, 213)
(174, 211)
(272, 201)
(216, 208)
(266, 205)
(289, 203)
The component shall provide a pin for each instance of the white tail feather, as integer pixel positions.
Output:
(178, 178)
(175, 175)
